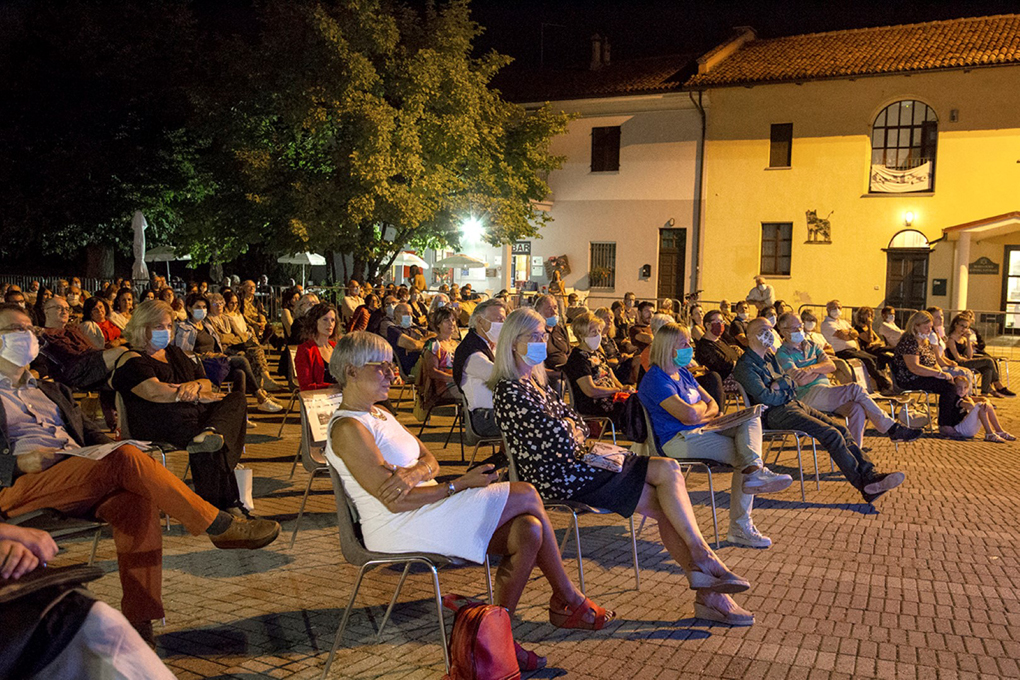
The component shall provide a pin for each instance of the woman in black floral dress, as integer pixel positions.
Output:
(545, 438)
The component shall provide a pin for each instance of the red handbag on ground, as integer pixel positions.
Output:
(482, 645)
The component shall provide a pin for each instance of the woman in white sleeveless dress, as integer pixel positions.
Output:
(390, 477)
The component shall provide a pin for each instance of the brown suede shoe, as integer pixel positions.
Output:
(144, 629)
(247, 534)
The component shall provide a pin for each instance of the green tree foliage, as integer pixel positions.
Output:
(364, 126)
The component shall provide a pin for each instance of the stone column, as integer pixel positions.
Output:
(962, 274)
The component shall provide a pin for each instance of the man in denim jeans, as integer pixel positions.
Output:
(765, 383)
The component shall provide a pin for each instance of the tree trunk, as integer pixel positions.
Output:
(100, 261)
(358, 269)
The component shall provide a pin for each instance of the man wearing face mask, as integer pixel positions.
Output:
(763, 379)
(40, 423)
(843, 338)
(715, 350)
(738, 326)
(67, 355)
(473, 361)
(407, 339)
(809, 367)
(16, 297)
(762, 295)
(381, 319)
(559, 343)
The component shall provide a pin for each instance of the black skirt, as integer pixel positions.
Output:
(617, 492)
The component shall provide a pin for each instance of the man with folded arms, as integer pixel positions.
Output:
(765, 383)
(40, 424)
(810, 366)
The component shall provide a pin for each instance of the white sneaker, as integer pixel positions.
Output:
(764, 480)
(748, 536)
(270, 406)
(250, 423)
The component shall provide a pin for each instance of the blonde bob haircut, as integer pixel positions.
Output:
(917, 319)
(354, 350)
(523, 321)
(664, 344)
(583, 324)
(147, 316)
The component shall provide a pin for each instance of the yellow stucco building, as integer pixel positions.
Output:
(904, 141)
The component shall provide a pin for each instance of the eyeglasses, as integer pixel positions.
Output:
(536, 337)
(385, 366)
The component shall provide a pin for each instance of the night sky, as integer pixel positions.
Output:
(639, 28)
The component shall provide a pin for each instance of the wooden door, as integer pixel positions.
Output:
(672, 263)
(906, 279)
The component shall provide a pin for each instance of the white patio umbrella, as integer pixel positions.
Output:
(406, 259)
(303, 259)
(461, 261)
(166, 254)
(139, 272)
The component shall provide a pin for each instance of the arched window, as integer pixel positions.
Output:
(909, 238)
(903, 143)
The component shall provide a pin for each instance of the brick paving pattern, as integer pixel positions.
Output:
(922, 586)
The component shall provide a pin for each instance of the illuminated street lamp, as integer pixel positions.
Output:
(472, 230)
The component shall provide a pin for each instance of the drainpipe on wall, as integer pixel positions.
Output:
(696, 219)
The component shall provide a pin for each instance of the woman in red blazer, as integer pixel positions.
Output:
(319, 333)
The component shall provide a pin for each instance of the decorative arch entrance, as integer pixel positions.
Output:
(906, 272)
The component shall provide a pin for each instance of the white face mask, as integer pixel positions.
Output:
(761, 287)
(771, 320)
(494, 330)
(933, 338)
(809, 326)
(389, 310)
(888, 318)
(766, 339)
(198, 314)
(835, 313)
(742, 316)
(797, 337)
(593, 342)
(19, 347)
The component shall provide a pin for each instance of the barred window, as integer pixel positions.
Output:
(602, 266)
(776, 241)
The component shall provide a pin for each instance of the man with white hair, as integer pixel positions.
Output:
(810, 367)
(840, 334)
(762, 295)
(761, 376)
(473, 361)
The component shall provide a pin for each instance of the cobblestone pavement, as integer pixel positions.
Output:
(922, 586)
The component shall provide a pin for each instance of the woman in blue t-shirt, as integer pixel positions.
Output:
(679, 408)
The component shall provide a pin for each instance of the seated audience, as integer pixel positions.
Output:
(75, 301)
(40, 423)
(321, 331)
(666, 307)
(472, 364)
(809, 366)
(545, 439)
(713, 351)
(236, 337)
(918, 366)
(961, 349)
(629, 312)
(418, 278)
(975, 335)
(870, 341)
(14, 296)
(123, 304)
(640, 332)
(406, 339)
(362, 315)
(760, 375)
(738, 326)
(254, 313)
(970, 413)
(724, 307)
(938, 343)
(97, 327)
(620, 355)
(389, 476)
(437, 359)
(697, 323)
(574, 307)
(301, 307)
(166, 294)
(843, 338)
(678, 407)
(67, 355)
(38, 313)
(198, 337)
(558, 347)
(287, 301)
(381, 319)
(593, 383)
(889, 331)
(167, 398)
(419, 310)
(762, 295)
(439, 300)
(769, 314)
(351, 301)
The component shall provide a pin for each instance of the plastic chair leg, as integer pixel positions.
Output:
(301, 512)
(95, 545)
(393, 601)
(439, 612)
(633, 550)
(343, 621)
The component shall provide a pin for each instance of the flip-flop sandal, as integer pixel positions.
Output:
(528, 660)
(574, 618)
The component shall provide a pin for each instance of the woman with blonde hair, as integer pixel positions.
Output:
(168, 398)
(917, 365)
(595, 387)
(547, 439)
(390, 477)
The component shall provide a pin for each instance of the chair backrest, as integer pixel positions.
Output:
(743, 395)
(512, 465)
(290, 356)
(470, 436)
(352, 545)
(650, 437)
(122, 421)
(317, 408)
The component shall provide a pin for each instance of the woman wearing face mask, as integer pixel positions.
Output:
(597, 390)
(168, 398)
(889, 331)
(544, 437)
(618, 354)
(917, 366)
(678, 407)
(870, 341)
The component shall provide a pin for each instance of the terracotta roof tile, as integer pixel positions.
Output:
(632, 77)
(957, 43)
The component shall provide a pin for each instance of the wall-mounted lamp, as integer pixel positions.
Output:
(908, 218)
(669, 223)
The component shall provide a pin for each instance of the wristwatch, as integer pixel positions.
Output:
(450, 489)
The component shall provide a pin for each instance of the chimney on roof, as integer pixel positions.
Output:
(599, 52)
(741, 36)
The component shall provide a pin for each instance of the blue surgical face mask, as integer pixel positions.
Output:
(551, 321)
(683, 356)
(537, 352)
(198, 314)
(405, 321)
(797, 337)
(160, 338)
